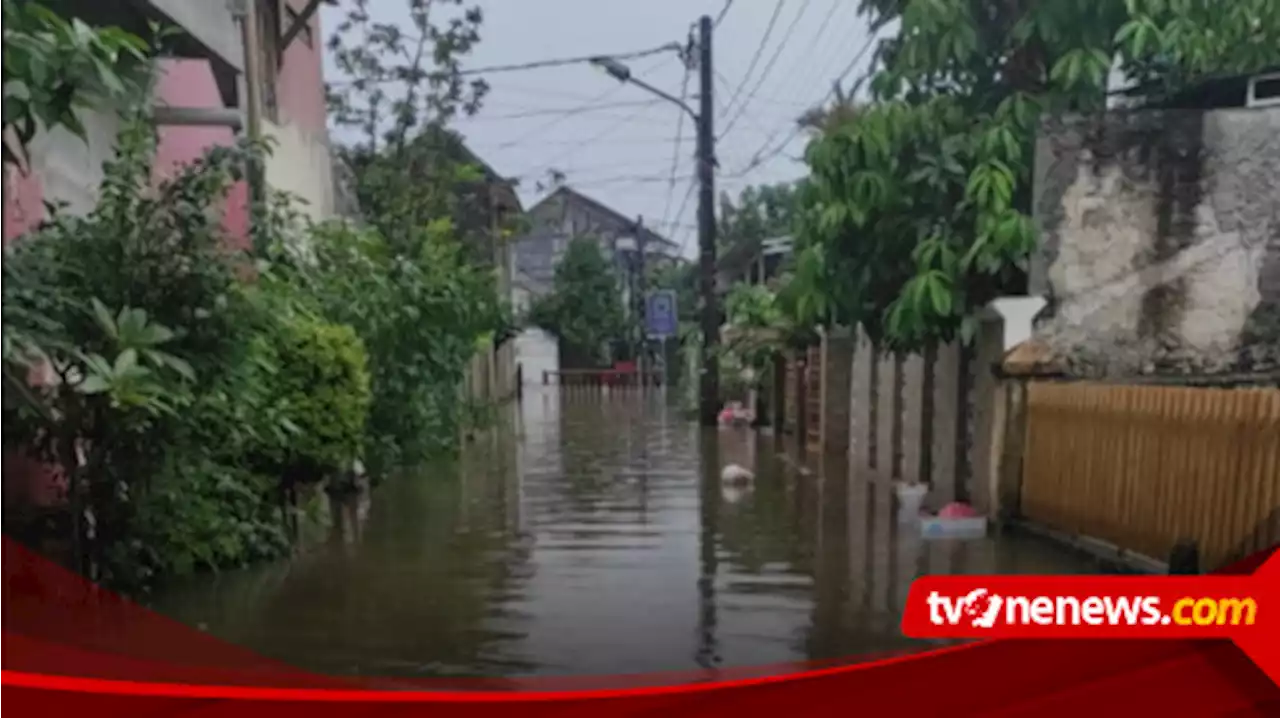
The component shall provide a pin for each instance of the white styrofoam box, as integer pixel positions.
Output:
(932, 527)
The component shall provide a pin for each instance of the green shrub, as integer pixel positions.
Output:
(198, 516)
(418, 316)
(320, 385)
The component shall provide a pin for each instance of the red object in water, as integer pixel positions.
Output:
(957, 510)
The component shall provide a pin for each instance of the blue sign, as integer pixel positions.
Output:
(660, 314)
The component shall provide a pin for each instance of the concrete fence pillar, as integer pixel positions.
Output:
(887, 404)
(946, 414)
(861, 427)
(837, 374)
(987, 353)
(912, 418)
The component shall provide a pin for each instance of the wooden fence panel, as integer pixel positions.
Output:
(1146, 466)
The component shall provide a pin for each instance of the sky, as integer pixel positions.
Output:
(616, 142)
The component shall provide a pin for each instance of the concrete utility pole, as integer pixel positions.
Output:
(709, 396)
(642, 304)
(709, 384)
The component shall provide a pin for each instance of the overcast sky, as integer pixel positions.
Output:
(621, 152)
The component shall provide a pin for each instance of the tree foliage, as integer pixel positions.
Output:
(759, 213)
(917, 209)
(55, 68)
(132, 329)
(584, 309)
(395, 92)
(416, 280)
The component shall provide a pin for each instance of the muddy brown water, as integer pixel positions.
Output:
(591, 536)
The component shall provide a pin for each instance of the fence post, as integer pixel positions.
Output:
(1184, 559)
(779, 394)
(837, 376)
(802, 405)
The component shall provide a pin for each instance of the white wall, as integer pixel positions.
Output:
(536, 352)
(300, 164)
(71, 169)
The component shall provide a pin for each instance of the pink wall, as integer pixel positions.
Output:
(190, 83)
(301, 84)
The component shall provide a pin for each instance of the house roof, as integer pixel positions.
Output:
(576, 196)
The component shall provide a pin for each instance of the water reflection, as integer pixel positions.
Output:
(595, 536)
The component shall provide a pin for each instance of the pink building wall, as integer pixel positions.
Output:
(186, 83)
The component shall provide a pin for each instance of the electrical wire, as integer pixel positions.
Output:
(675, 146)
(755, 59)
(581, 109)
(760, 157)
(723, 11)
(693, 186)
(764, 75)
(538, 64)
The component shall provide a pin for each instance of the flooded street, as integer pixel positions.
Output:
(592, 536)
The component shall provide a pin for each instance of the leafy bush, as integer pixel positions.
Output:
(320, 384)
(197, 516)
(136, 316)
(418, 316)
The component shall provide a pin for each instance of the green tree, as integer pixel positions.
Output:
(759, 213)
(917, 209)
(55, 68)
(584, 310)
(416, 281)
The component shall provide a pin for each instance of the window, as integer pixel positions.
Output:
(305, 35)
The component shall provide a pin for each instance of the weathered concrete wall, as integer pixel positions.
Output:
(1160, 241)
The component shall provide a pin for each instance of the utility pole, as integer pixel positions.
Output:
(642, 305)
(709, 386)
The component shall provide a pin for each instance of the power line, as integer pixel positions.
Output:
(580, 109)
(773, 60)
(814, 44)
(760, 157)
(675, 146)
(583, 108)
(723, 11)
(538, 64)
(755, 59)
(684, 204)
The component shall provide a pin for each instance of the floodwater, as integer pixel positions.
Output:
(592, 536)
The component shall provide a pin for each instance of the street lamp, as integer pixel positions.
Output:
(622, 73)
(709, 389)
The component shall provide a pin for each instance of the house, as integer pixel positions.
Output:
(199, 105)
(1160, 234)
(753, 261)
(553, 222)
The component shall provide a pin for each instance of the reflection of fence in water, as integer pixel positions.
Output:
(1147, 466)
(597, 379)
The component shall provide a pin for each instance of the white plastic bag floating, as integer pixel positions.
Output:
(910, 500)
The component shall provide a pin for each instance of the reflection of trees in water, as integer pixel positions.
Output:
(421, 593)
